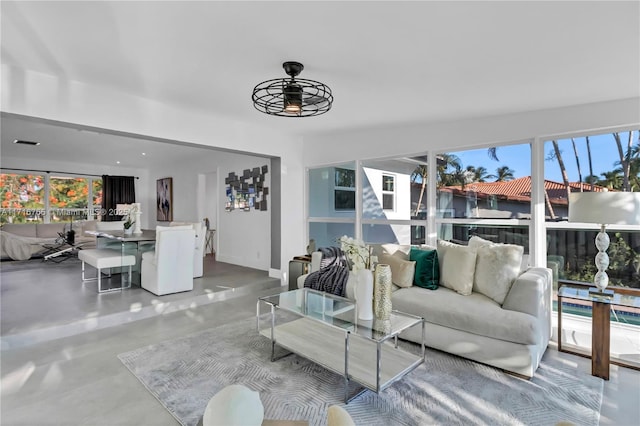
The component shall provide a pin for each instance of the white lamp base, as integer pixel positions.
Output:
(601, 279)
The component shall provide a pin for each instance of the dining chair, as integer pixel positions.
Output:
(169, 268)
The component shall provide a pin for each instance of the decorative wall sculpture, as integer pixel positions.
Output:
(247, 191)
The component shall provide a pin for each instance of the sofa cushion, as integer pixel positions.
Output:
(457, 266)
(50, 230)
(475, 314)
(427, 273)
(402, 271)
(497, 267)
(21, 229)
(401, 250)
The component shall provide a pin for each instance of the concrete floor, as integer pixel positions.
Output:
(78, 380)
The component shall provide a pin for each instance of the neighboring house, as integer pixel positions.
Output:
(504, 200)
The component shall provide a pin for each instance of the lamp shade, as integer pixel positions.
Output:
(605, 208)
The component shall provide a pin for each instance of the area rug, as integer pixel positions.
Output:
(183, 374)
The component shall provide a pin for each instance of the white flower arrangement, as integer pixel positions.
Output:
(358, 253)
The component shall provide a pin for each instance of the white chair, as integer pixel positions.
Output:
(169, 268)
(201, 231)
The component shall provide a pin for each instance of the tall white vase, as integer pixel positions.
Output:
(382, 297)
(364, 294)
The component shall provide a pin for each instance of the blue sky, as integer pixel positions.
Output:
(604, 153)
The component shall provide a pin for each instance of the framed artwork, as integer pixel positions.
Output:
(164, 198)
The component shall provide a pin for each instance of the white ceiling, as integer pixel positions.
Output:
(386, 62)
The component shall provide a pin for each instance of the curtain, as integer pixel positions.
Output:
(116, 190)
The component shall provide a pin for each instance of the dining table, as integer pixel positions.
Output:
(127, 244)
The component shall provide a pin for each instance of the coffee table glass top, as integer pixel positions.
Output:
(339, 312)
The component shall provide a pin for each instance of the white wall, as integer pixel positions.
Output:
(413, 139)
(243, 238)
(40, 95)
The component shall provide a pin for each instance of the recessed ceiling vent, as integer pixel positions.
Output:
(18, 141)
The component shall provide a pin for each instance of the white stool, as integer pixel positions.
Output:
(105, 258)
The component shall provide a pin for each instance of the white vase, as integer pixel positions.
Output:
(364, 294)
(128, 231)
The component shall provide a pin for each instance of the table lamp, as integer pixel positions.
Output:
(604, 208)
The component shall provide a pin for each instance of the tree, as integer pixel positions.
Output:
(557, 154)
(624, 159)
(503, 174)
(478, 174)
(420, 172)
(575, 151)
(593, 182)
(449, 170)
(612, 179)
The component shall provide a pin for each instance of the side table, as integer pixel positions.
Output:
(208, 245)
(600, 324)
(299, 265)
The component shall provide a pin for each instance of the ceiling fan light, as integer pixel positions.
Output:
(292, 97)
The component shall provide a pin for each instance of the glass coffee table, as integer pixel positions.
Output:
(324, 329)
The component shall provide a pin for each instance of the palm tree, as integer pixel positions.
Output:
(612, 179)
(503, 174)
(593, 182)
(629, 163)
(563, 170)
(420, 172)
(624, 159)
(449, 170)
(575, 151)
(478, 174)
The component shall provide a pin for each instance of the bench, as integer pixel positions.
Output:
(105, 258)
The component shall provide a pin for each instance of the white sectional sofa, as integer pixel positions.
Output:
(23, 240)
(511, 335)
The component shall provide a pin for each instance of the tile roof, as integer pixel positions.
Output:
(520, 189)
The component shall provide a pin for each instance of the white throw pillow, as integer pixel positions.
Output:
(402, 271)
(235, 405)
(457, 266)
(497, 267)
(476, 242)
(401, 250)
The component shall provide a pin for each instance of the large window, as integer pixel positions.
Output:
(48, 198)
(332, 203)
(489, 192)
(22, 198)
(592, 163)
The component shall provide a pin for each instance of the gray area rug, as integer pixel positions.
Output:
(183, 374)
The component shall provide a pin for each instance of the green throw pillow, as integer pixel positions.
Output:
(427, 268)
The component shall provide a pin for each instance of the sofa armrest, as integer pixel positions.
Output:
(531, 294)
(350, 290)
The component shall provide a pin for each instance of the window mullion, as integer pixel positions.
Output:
(47, 204)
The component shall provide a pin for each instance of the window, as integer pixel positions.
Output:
(332, 203)
(69, 198)
(593, 163)
(345, 189)
(388, 192)
(22, 198)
